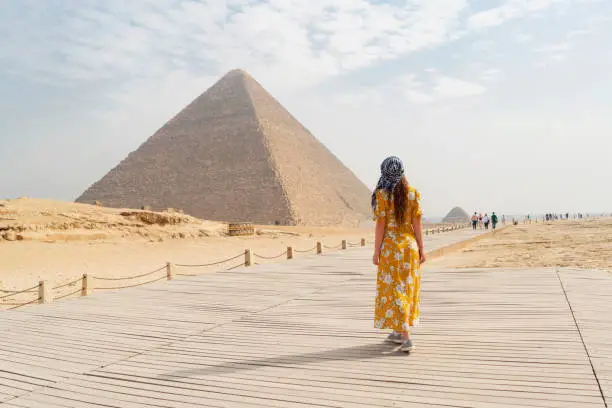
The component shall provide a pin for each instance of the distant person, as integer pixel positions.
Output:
(398, 252)
(486, 221)
(503, 219)
(494, 220)
(474, 221)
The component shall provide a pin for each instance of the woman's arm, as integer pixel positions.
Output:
(378, 238)
(417, 227)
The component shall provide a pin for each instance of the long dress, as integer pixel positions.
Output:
(399, 277)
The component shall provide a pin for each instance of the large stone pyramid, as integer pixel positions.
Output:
(457, 215)
(235, 154)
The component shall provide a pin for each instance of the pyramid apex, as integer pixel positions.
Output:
(238, 71)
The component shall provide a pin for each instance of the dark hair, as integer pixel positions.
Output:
(400, 200)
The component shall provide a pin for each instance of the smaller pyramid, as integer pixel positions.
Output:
(456, 215)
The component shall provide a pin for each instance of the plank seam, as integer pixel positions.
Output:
(586, 349)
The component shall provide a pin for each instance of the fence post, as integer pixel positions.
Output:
(87, 286)
(362, 241)
(319, 248)
(289, 253)
(344, 244)
(44, 292)
(247, 257)
(169, 272)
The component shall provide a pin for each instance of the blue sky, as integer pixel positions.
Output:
(492, 104)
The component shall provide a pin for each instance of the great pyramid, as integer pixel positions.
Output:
(456, 215)
(235, 154)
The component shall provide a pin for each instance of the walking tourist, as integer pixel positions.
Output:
(486, 221)
(398, 252)
(494, 220)
(474, 221)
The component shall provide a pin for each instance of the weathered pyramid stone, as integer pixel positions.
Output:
(456, 215)
(235, 154)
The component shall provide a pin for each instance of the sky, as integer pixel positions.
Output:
(493, 105)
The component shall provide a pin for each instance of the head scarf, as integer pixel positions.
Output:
(391, 173)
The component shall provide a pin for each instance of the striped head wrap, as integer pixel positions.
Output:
(391, 173)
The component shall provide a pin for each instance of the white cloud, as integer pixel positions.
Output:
(273, 39)
(448, 87)
(510, 9)
(438, 88)
(491, 74)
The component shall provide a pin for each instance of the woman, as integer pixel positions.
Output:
(398, 252)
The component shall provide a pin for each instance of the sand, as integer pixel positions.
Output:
(583, 244)
(60, 242)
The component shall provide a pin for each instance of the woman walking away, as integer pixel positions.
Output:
(398, 252)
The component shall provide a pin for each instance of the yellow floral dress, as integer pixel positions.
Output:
(399, 277)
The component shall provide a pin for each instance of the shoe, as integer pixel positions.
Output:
(407, 346)
(395, 338)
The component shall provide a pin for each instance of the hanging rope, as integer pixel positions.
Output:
(131, 277)
(13, 293)
(270, 257)
(211, 264)
(133, 286)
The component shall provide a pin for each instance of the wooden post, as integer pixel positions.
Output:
(247, 257)
(319, 248)
(44, 292)
(362, 241)
(87, 286)
(169, 271)
(344, 244)
(289, 253)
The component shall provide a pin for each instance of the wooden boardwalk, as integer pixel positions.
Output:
(299, 334)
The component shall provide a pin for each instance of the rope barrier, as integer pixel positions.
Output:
(270, 257)
(211, 264)
(308, 250)
(24, 304)
(13, 293)
(69, 294)
(131, 277)
(67, 284)
(234, 267)
(132, 286)
(86, 288)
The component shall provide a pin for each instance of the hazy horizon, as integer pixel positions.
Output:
(499, 104)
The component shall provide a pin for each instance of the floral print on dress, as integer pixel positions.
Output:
(398, 284)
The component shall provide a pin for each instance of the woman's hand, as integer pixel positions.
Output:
(376, 257)
(422, 257)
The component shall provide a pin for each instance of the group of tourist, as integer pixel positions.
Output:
(480, 221)
(566, 216)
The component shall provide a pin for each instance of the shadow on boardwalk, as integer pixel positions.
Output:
(356, 353)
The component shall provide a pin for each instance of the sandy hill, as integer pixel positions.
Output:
(235, 154)
(48, 220)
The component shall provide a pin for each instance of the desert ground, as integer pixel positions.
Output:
(59, 241)
(583, 244)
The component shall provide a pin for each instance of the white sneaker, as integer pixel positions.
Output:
(395, 338)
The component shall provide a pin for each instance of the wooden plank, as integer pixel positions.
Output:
(299, 333)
